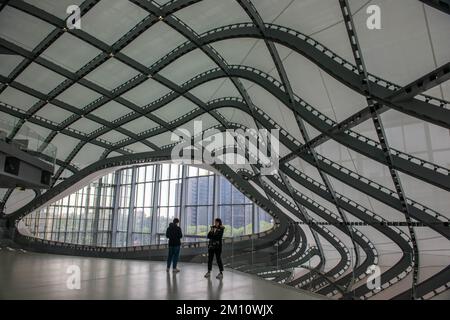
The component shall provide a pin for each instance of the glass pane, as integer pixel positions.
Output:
(203, 220)
(174, 192)
(70, 220)
(140, 193)
(192, 172)
(175, 171)
(148, 195)
(225, 213)
(163, 221)
(191, 220)
(225, 191)
(141, 174)
(164, 193)
(165, 171)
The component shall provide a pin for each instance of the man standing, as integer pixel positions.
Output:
(174, 234)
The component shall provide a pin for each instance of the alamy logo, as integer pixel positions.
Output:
(374, 19)
(231, 147)
(74, 19)
(74, 280)
(374, 279)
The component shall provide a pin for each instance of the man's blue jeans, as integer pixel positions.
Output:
(174, 253)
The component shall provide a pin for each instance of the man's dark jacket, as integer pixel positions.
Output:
(174, 234)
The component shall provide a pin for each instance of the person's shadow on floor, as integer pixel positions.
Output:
(214, 293)
(172, 286)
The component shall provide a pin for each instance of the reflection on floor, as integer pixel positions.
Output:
(26, 275)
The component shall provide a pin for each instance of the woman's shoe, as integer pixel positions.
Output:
(176, 270)
(208, 274)
(220, 276)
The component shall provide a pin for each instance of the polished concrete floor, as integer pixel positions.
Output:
(26, 275)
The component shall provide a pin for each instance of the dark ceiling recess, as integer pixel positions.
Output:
(442, 5)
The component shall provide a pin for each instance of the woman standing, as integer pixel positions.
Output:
(215, 236)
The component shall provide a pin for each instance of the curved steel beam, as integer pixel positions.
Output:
(258, 21)
(408, 164)
(379, 128)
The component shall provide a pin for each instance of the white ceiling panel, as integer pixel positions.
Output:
(112, 19)
(312, 132)
(215, 89)
(310, 16)
(18, 199)
(385, 211)
(34, 133)
(422, 192)
(400, 51)
(357, 162)
(140, 125)
(113, 154)
(164, 139)
(439, 24)
(146, 93)
(435, 254)
(210, 14)
(175, 109)
(308, 83)
(112, 74)
(344, 101)
(306, 168)
(17, 98)
(78, 96)
(367, 129)
(139, 147)
(56, 8)
(31, 32)
(85, 125)
(154, 44)
(8, 62)
(226, 89)
(237, 116)
(335, 38)
(273, 107)
(87, 155)
(199, 124)
(188, 66)
(111, 111)
(64, 145)
(113, 136)
(7, 123)
(65, 174)
(39, 78)
(70, 52)
(54, 113)
(423, 140)
(247, 51)
(441, 92)
(268, 11)
(351, 193)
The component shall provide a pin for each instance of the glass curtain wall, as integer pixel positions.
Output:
(133, 206)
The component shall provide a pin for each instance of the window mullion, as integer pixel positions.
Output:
(131, 207)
